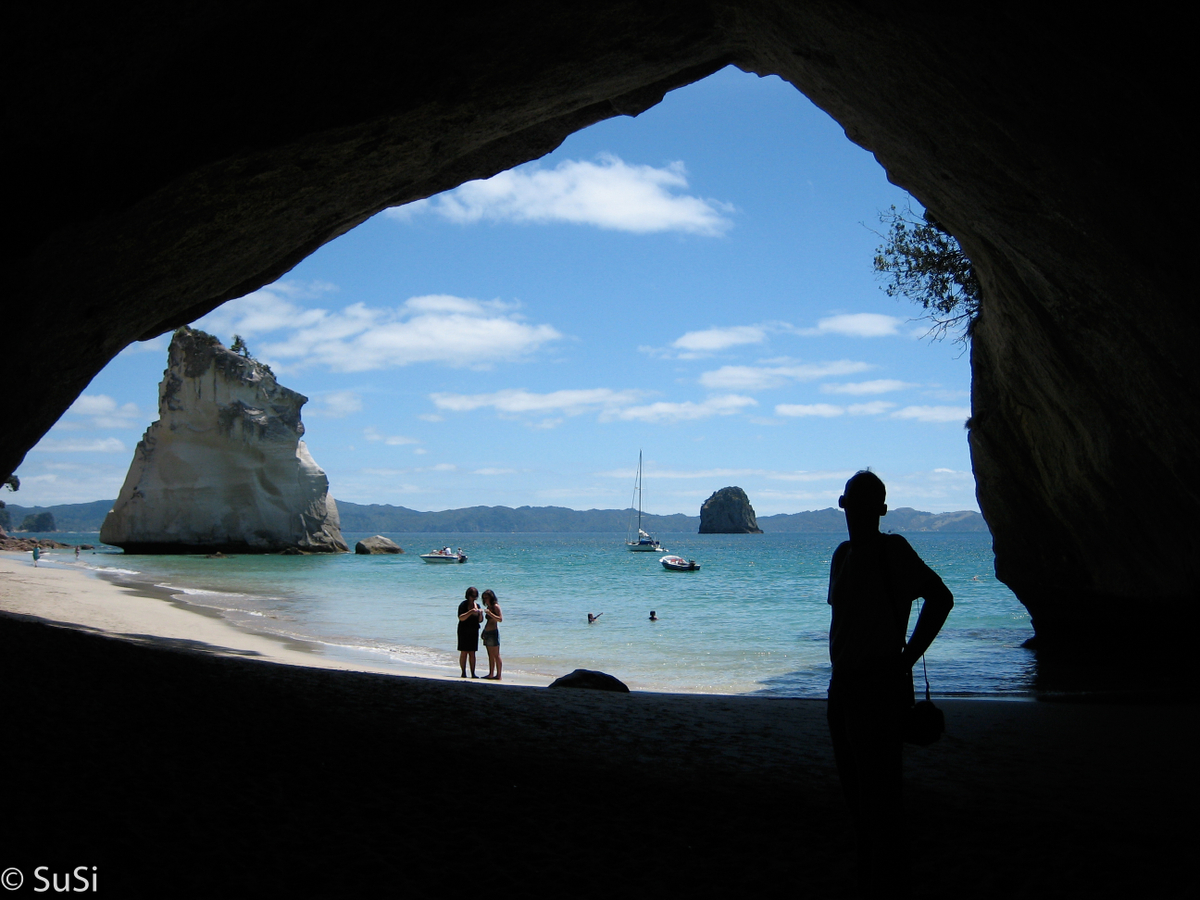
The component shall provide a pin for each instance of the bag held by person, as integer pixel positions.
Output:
(924, 723)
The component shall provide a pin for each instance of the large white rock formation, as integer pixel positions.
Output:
(223, 468)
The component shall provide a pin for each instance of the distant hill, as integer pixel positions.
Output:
(543, 519)
(902, 520)
(474, 519)
(67, 517)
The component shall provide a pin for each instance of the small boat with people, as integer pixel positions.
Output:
(679, 564)
(445, 555)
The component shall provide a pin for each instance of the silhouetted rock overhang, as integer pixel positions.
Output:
(166, 162)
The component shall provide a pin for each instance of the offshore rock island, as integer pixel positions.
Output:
(728, 511)
(223, 468)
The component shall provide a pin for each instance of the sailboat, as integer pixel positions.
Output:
(644, 543)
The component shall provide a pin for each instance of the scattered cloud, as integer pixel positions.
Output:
(710, 474)
(67, 445)
(157, 345)
(879, 386)
(441, 329)
(864, 325)
(606, 193)
(394, 440)
(758, 378)
(874, 408)
(934, 413)
(701, 343)
(102, 411)
(515, 401)
(824, 410)
(687, 411)
(334, 405)
(267, 310)
(494, 472)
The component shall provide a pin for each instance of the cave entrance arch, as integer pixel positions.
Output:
(257, 138)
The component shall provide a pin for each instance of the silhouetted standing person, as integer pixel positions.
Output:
(469, 617)
(873, 580)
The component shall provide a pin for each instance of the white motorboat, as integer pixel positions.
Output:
(644, 543)
(679, 564)
(445, 555)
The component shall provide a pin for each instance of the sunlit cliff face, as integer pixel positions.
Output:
(161, 184)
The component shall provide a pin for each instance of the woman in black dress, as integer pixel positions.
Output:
(469, 617)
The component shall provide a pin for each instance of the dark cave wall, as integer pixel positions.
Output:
(168, 159)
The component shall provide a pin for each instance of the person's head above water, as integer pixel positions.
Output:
(864, 500)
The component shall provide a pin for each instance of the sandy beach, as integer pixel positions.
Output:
(181, 756)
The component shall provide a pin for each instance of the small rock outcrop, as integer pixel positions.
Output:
(223, 468)
(728, 511)
(590, 679)
(377, 544)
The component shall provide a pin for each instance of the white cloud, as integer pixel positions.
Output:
(516, 401)
(757, 378)
(104, 412)
(709, 474)
(933, 413)
(394, 440)
(824, 410)
(865, 325)
(874, 408)
(608, 193)
(494, 472)
(879, 386)
(686, 411)
(452, 331)
(334, 405)
(100, 445)
(269, 309)
(710, 340)
(157, 345)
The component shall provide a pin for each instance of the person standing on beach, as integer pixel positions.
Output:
(491, 634)
(37, 553)
(469, 617)
(873, 581)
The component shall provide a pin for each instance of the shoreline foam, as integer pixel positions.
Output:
(119, 605)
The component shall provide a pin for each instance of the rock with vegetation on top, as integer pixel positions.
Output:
(377, 544)
(728, 511)
(223, 468)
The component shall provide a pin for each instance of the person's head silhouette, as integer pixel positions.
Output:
(864, 501)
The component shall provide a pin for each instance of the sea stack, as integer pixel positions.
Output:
(223, 468)
(728, 511)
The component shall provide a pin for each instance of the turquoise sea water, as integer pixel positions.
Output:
(753, 619)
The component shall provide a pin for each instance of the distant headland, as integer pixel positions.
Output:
(377, 518)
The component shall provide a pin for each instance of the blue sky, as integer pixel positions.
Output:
(694, 283)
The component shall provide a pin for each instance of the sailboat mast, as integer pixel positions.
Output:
(639, 493)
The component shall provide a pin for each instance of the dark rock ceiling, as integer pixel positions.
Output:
(165, 158)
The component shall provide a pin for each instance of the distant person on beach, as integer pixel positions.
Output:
(592, 618)
(491, 634)
(873, 581)
(469, 617)
(37, 554)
